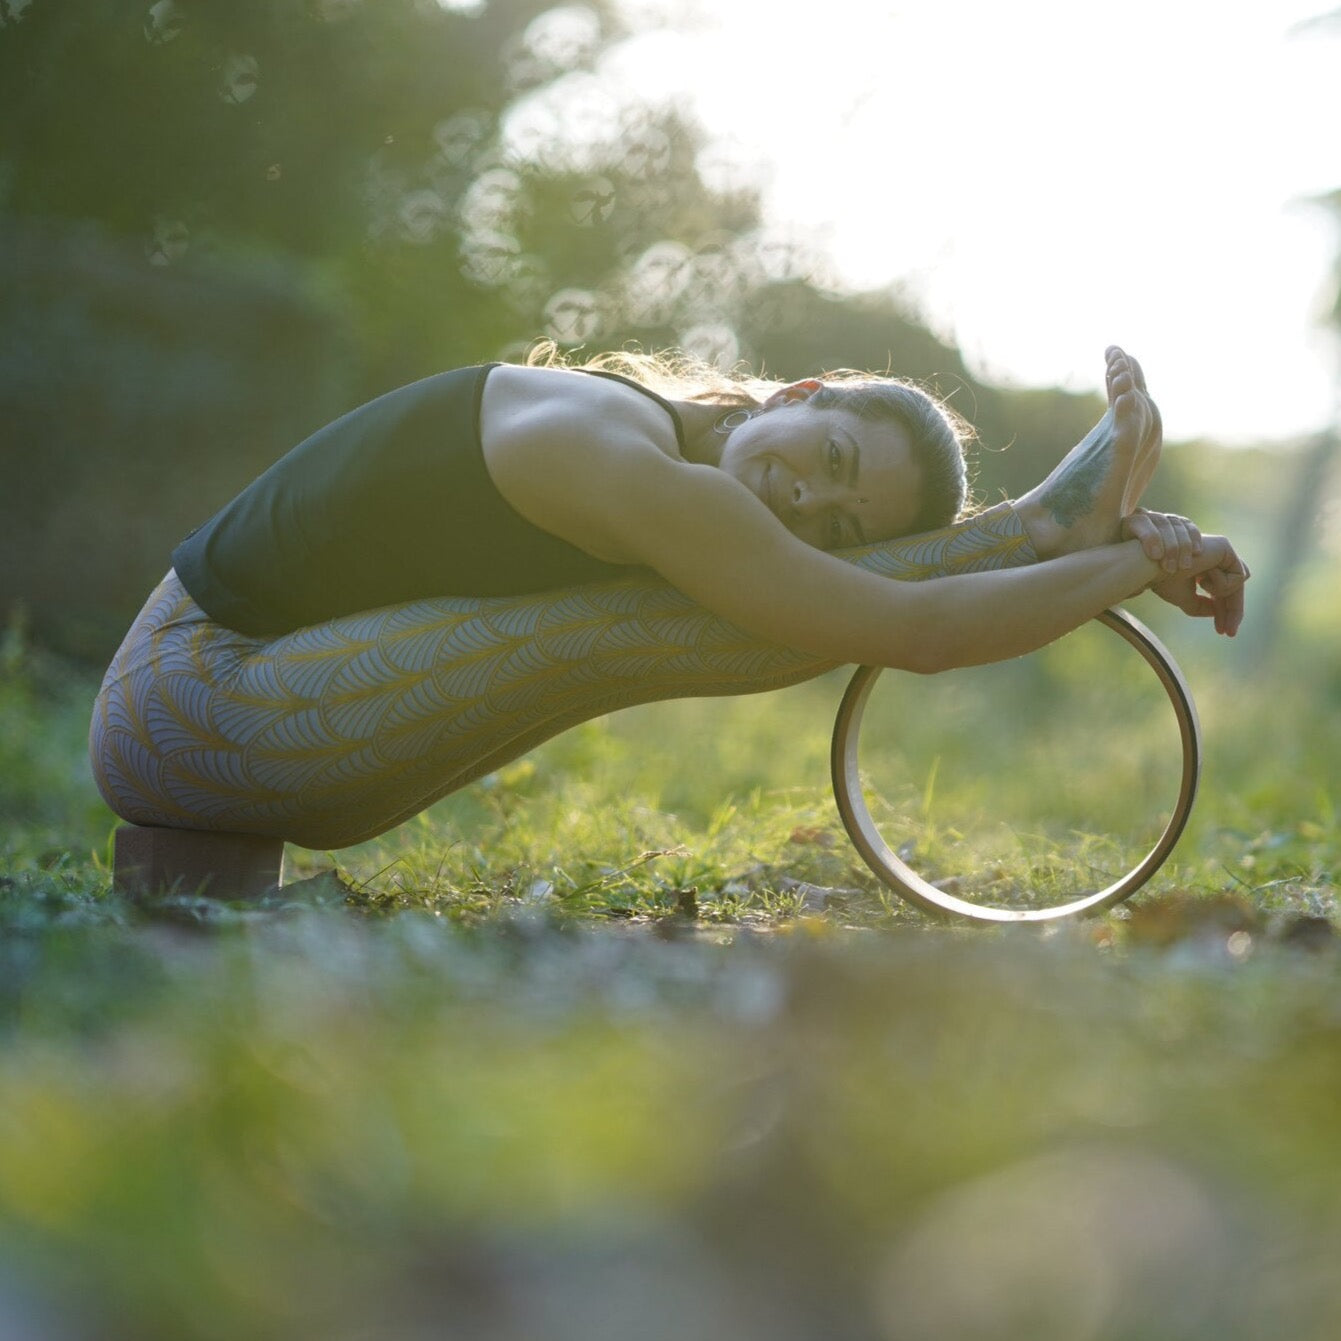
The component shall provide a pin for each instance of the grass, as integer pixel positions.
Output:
(625, 1041)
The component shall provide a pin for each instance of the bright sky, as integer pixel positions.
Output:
(1045, 177)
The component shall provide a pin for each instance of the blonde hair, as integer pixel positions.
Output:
(670, 372)
(937, 435)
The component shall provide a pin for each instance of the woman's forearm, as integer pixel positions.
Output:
(981, 617)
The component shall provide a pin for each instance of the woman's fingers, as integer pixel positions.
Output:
(1182, 590)
(1224, 586)
(1212, 583)
(1187, 540)
(1141, 525)
(1223, 581)
(1167, 539)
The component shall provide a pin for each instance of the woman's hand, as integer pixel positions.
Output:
(1205, 576)
(1169, 540)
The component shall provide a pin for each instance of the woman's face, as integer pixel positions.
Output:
(833, 479)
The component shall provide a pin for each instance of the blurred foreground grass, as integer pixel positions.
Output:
(623, 1042)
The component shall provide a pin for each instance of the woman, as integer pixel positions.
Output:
(459, 570)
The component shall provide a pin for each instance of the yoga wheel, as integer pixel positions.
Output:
(943, 897)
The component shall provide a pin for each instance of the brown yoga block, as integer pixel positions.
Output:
(150, 860)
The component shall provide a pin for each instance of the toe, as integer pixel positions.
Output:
(1129, 419)
(1120, 382)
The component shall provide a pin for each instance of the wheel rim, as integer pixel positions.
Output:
(904, 881)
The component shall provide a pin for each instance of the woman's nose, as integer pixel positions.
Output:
(806, 498)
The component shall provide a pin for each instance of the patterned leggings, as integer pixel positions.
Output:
(333, 734)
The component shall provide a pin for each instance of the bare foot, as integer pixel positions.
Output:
(1147, 456)
(1101, 479)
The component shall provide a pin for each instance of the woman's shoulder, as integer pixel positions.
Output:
(555, 403)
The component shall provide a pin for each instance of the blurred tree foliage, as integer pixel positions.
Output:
(1299, 521)
(226, 221)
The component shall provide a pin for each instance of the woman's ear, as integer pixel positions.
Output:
(789, 395)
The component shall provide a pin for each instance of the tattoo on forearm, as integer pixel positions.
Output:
(1073, 495)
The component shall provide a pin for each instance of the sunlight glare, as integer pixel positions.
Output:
(1041, 181)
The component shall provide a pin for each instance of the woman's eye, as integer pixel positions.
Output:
(835, 459)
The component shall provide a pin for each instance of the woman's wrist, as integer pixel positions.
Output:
(1146, 571)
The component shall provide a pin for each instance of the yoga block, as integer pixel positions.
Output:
(150, 860)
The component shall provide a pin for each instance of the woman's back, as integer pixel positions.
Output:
(392, 502)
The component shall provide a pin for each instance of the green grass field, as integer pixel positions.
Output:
(624, 1041)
